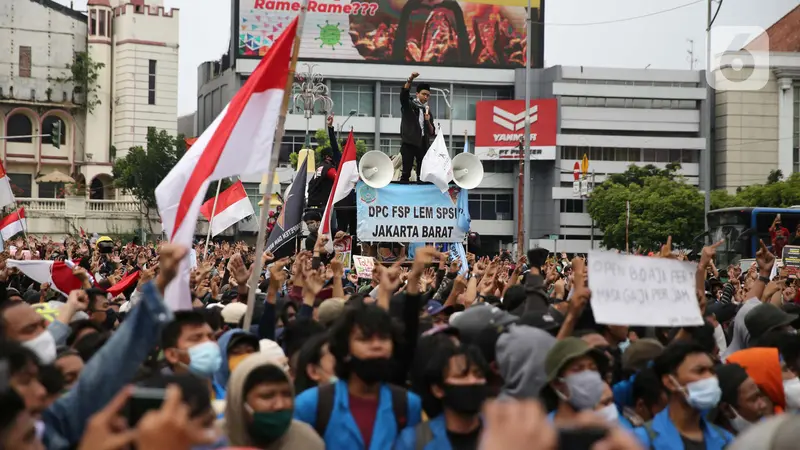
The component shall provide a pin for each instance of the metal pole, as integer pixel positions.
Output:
(276, 146)
(213, 211)
(706, 156)
(591, 238)
(527, 166)
(452, 152)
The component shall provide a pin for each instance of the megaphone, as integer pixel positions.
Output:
(467, 171)
(376, 169)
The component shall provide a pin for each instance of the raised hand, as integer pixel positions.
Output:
(170, 256)
(764, 258)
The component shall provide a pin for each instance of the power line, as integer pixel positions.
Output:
(623, 19)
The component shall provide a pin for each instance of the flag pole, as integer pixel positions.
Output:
(211, 219)
(270, 176)
(24, 225)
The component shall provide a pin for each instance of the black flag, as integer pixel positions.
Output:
(289, 222)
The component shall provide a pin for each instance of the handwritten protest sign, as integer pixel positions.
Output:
(363, 266)
(344, 250)
(644, 291)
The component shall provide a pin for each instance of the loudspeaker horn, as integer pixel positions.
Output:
(376, 169)
(467, 171)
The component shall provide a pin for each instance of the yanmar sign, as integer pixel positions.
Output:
(500, 124)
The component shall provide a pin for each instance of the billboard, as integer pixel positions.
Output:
(500, 124)
(485, 33)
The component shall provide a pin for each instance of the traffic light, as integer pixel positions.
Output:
(55, 134)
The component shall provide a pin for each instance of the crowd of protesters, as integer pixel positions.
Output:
(426, 354)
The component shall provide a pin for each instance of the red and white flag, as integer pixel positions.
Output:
(232, 206)
(346, 179)
(13, 223)
(57, 273)
(6, 194)
(238, 142)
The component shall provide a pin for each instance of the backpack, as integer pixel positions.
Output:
(327, 393)
(423, 435)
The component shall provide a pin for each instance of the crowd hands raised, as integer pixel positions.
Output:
(422, 354)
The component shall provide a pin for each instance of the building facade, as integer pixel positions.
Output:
(130, 50)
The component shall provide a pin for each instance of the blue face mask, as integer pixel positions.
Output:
(624, 345)
(205, 358)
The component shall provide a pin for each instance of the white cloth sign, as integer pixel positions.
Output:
(643, 291)
(437, 168)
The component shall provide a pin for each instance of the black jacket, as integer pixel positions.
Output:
(319, 189)
(409, 123)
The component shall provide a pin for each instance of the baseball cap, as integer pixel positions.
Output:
(330, 310)
(562, 353)
(232, 312)
(243, 338)
(766, 317)
(543, 320)
(640, 353)
(433, 307)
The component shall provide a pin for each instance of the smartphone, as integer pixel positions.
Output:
(580, 438)
(142, 400)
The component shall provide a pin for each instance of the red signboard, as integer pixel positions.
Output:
(500, 124)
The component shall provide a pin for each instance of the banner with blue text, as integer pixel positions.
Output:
(409, 213)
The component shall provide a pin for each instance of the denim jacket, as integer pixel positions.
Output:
(107, 372)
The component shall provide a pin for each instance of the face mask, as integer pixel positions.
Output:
(702, 394)
(235, 360)
(609, 413)
(624, 345)
(739, 423)
(44, 346)
(269, 426)
(585, 389)
(333, 379)
(312, 228)
(372, 370)
(791, 389)
(465, 399)
(205, 358)
(111, 319)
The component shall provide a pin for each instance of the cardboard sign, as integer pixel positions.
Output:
(791, 260)
(643, 291)
(344, 250)
(363, 266)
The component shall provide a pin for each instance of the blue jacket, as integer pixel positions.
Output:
(408, 438)
(668, 438)
(342, 431)
(109, 370)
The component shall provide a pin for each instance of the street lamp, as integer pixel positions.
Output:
(351, 114)
(311, 90)
(445, 94)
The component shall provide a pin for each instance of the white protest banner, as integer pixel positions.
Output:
(643, 291)
(363, 266)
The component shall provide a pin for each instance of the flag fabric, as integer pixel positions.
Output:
(232, 206)
(13, 223)
(6, 194)
(124, 284)
(463, 222)
(290, 220)
(238, 142)
(57, 273)
(346, 179)
(437, 168)
(458, 251)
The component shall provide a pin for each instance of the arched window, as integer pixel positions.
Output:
(19, 125)
(47, 128)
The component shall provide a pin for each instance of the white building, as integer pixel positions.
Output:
(135, 89)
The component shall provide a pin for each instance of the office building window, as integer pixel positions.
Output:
(572, 206)
(251, 189)
(151, 82)
(465, 98)
(353, 97)
(620, 102)
(391, 145)
(490, 207)
(21, 184)
(102, 24)
(51, 190)
(293, 142)
(25, 61)
(500, 166)
(390, 102)
(92, 22)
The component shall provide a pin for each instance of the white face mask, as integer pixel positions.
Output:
(609, 413)
(44, 346)
(791, 389)
(739, 423)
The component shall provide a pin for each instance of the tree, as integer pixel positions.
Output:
(776, 193)
(661, 204)
(774, 176)
(140, 171)
(324, 148)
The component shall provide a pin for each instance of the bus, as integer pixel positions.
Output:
(743, 227)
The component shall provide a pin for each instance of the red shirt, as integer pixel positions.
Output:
(364, 411)
(777, 247)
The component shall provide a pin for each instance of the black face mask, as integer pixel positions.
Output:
(373, 370)
(465, 399)
(111, 318)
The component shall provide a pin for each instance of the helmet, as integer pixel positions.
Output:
(104, 244)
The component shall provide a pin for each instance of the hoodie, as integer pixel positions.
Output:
(764, 367)
(741, 337)
(223, 373)
(520, 357)
(298, 436)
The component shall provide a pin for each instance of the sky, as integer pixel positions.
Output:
(616, 33)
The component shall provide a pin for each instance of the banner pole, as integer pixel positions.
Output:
(211, 219)
(24, 225)
(276, 146)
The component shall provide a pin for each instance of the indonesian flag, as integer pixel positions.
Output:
(6, 194)
(238, 142)
(232, 206)
(12, 224)
(124, 284)
(57, 273)
(346, 179)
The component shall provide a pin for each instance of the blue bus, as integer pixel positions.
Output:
(743, 227)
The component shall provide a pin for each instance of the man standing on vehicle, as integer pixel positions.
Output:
(416, 126)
